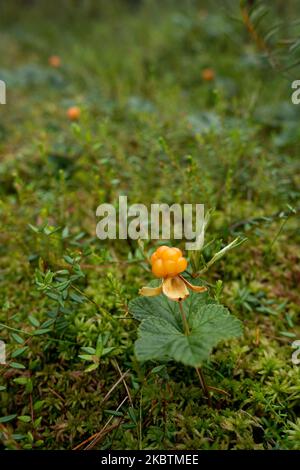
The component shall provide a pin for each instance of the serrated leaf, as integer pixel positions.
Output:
(161, 335)
(162, 307)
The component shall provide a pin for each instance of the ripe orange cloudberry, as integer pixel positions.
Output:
(167, 263)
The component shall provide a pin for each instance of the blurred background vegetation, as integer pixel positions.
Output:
(180, 101)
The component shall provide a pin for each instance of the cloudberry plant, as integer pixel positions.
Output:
(168, 331)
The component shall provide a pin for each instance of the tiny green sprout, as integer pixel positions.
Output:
(94, 355)
(179, 320)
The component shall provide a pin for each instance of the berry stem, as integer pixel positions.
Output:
(184, 320)
(198, 370)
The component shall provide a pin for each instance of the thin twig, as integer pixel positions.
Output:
(218, 390)
(114, 386)
(115, 363)
(100, 433)
(89, 439)
(203, 385)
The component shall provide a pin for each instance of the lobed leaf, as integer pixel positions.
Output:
(161, 335)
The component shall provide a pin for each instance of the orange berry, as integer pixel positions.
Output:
(181, 264)
(54, 61)
(167, 261)
(208, 74)
(160, 250)
(171, 267)
(154, 257)
(158, 268)
(73, 113)
(171, 254)
(178, 251)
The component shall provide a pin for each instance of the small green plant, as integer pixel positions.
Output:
(180, 324)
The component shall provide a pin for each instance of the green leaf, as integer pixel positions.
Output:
(162, 307)
(17, 365)
(89, 350)
(48, 323)
(86, 357)
(91, 367)
(18, 437)
(33, 321)
(38, 405)
(132, 415)
(17, 338)
(99, 346)
(21, 380)
(68, 259)
(6, 419)
(107, 351)
(161, 335)
(34, 229)
(53, 296)
(76, 298)
(19, 351)
(42, 331)
(114, 412)
(24, 419)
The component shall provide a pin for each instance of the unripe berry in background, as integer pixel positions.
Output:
(54, 61)
(208, 74)
(73, 113)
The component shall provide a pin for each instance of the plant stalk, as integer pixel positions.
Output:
(184, 320)
(198, 370)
